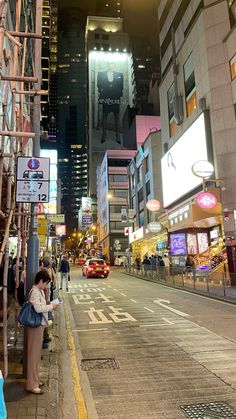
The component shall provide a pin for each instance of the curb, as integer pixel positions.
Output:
(52, 404)
(191, 291)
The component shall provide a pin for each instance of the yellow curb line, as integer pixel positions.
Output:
(79, 398)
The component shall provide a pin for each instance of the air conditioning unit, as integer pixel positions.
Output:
(178, 109)
(202, 103)
(165, 147)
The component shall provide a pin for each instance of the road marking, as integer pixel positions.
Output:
(109, 286)
(134, 301)
(167, 321)
(161, 303)
(124, 295)
(115, 289)
(90, 330)
(79, 398)
(153, 325)
(148, 309)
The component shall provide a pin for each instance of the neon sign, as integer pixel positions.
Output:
(206, 200)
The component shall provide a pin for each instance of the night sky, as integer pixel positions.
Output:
(140, 16)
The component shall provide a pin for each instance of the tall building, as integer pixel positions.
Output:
(52, 123)
(198, 120)
(112, 186)
(45, 67)
(111, 88)
(72, 111)
(112, 8)
(49, 70)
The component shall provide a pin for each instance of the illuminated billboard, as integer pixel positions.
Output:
(103, 200)
(176, 165)
(51, 207)
(60, 230)
(110, 92)
(87, 219)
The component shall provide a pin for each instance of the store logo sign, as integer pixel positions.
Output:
(206, 200)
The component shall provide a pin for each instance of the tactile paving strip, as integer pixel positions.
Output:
(99, 363)
(213, 410)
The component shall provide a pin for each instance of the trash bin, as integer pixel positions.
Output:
(3, 412)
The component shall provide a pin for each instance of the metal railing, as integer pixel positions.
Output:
(202, 282)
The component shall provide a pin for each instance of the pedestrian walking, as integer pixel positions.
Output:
(146, 264)
(35, 335)
(64, 269)
(161, 268)
(190, 266)
(47, 264)
(138, 264)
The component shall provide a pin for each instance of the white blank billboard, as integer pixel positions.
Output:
(176, 164)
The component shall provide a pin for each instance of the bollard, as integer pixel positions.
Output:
(3, 412)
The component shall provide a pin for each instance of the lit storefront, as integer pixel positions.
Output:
(145, 243)
(195, 231)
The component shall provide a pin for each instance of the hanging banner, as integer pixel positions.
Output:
(87, 219)
(123, 215)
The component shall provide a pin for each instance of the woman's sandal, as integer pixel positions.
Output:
(36, 391)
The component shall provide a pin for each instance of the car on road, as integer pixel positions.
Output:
(95, 268)
(80, 261)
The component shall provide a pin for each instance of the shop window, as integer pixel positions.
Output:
(170, 100)
(189, 86)
(233, 67)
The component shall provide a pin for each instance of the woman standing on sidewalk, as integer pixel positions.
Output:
(35, 335)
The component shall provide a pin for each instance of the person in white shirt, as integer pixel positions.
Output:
(35, 335)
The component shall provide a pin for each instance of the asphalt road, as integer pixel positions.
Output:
(145, 349)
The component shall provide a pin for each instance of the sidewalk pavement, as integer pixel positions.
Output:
(199, 286)
(19, 403)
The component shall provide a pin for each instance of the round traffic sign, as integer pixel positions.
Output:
(33, 164)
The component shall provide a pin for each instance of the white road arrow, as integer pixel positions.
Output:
(163, 303)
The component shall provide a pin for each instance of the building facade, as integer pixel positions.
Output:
(112, 8)
(72, 96)
(198, 101)
(111, 88)
(112, 201)
(145, 184)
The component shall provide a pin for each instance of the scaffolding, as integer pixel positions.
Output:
(20, 78)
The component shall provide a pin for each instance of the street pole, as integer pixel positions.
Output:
(32, 265)
(33, 242)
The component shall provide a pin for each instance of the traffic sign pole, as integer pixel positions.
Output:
(32, 266)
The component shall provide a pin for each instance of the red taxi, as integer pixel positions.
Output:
(95, 268)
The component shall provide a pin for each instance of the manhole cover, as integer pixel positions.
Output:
(214, 410)
(99, 364)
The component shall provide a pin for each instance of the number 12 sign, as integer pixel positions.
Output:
(32, 184)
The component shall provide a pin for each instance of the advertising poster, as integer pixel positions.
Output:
(192, 244)
(178, 244)
(110, 92)
(123, 215)
(202, 239)
(103, 201)
(60, 230)
(51, 207)
(87, 219)
(176, 165)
